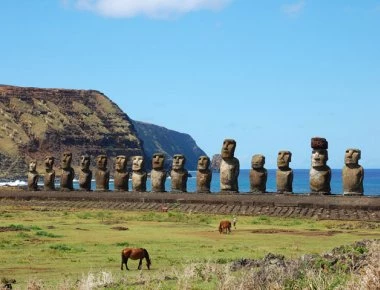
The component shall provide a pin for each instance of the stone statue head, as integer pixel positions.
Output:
(66, 160)
(85, 162)
(319, 157)
(138, 163)
(120, 162)
(32, 165)
(203, 162)
(179, 161)
(158, 160)
(49, 162)
(101, 162)
(258, 161)
(283, 159)
(352, 156)
(228, 149)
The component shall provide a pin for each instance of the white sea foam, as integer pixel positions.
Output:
(13, 183)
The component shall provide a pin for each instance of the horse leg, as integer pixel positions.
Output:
(140, 263)
(126, 264)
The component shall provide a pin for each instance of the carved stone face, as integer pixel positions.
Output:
(158, 161)
(228, 149)
(319, 157)
(32, 166)
(179, 161)
(49, 162)
(137, 163)
(284, 158)
(258, 161)
(203, 163)
(121, 162)
(85, 162)
(66, 160)
(101, 162)
(352, 156)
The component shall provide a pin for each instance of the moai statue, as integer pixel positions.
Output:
(33, 176)
(121, 175)
(158, 173)
(179, 174)
(352, 173)
(102, 174)
(49, 176)
(284, 174)
(85, 174)
(320, 173)
(204, 175)
(67, 173)
(139, 174)
(229, 168)
(258, 174)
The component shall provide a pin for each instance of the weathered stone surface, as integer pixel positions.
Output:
(284, 174)
(67, 173)
(204, 175)
(121, 175)
(85, 174)
(49, 176)
(229, 167)
(352, 173)
(102, 174)
(158, 173)
(320, 173)
(319, 143)
(258, 174)
(179, 174)
(139, 175)
(33, 176)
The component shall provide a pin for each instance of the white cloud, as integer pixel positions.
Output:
(294, 9)
(150, 8)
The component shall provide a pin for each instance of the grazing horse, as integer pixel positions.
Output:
(225, 226)
(134, 254)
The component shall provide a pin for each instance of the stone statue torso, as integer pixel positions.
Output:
(258, 180)
(139, 181)
(121, 180)
(179, 180)
(67, 176)
(204, 181)
(158, 178)
(320, 180)
(353, 180)
(229, 172)
(102, 178)
(85, 180)
(49, 180)
(284, 180)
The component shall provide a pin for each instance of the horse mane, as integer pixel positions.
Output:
(147, 257)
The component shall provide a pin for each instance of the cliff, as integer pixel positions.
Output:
(169, 142)
(36, 122)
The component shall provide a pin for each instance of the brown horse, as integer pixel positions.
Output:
(134, 254)
(225, 226)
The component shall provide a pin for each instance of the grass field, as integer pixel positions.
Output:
(62, 247)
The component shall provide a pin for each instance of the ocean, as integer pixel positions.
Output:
(300, 182)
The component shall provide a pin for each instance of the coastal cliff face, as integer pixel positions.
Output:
(169, 142)
(36, 122)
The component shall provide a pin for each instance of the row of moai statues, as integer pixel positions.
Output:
(320, 173)
(178, 173)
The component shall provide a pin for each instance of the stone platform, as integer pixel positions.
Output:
(361, 208)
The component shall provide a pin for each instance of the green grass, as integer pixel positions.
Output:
(57, 245)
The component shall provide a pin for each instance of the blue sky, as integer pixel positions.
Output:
(270, 74)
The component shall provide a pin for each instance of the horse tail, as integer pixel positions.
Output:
(122, 260)
(148, 262)
(220, 228)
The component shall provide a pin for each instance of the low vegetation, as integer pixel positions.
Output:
(80, 249)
